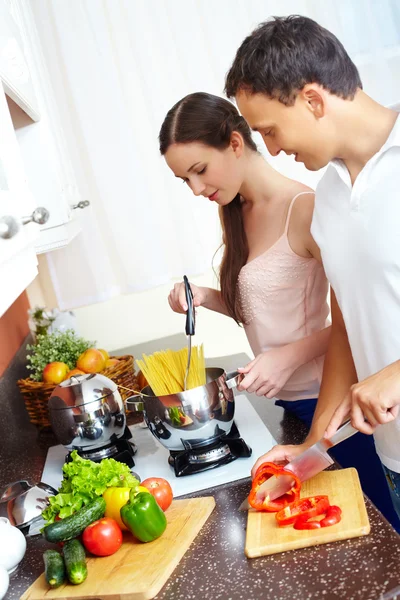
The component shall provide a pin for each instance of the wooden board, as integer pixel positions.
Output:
(137, 571)
(343, 488)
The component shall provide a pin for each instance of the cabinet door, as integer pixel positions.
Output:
(18, 262)
(43, 147)
(14, 71)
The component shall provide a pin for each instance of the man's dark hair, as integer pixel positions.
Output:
(284, 54)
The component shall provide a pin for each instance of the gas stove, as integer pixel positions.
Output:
(121, 449)
(153, 460)
(193, 460)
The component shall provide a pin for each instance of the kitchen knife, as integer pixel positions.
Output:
(306, 465)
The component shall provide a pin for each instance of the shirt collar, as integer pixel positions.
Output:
(392, 141)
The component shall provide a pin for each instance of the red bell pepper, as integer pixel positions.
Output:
(305, 508)
(333, 515)
(264, 472)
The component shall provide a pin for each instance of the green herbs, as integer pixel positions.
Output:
(42, 320)
(85, 480)
(58, 346)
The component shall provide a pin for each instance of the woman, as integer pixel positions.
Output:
(271, 279)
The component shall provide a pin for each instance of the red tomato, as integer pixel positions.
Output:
(160, 489)
(102, 537)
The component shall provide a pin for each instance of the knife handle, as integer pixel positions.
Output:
(344, 432)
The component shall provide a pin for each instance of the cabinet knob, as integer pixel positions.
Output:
(9, 226)
(40, 216)
(81, 204)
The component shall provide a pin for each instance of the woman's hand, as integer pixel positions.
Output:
(280, 454)
(267, 374)
(177, 297)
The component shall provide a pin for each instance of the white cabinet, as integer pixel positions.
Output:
(18, 261)
(35, 168)
(14, 71)
(44, 150)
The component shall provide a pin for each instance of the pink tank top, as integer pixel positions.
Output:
(284, 299)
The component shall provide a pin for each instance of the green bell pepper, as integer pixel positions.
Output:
(143, 517)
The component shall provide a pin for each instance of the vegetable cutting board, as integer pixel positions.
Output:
(343, 488)
(137, 571)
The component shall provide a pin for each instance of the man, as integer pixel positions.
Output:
(295, 84)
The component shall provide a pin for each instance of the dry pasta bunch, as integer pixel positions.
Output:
(165, 370)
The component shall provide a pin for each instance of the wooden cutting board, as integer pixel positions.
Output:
(137, 571)
(343, 488)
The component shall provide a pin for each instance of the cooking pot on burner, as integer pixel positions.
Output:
(192, 418)
(87, 412)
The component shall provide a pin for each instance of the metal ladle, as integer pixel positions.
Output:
(190, 325)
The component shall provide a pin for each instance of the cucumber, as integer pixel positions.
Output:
(75, 561)
(54, 569)
(72, 527)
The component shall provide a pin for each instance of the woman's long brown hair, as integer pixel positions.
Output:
(210, 120)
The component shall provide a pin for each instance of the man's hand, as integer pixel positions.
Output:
(280, 454)
(371, 402)
(267, 374)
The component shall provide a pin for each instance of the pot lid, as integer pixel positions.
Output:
(22, 503)
(81, 389)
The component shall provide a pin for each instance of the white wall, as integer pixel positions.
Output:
(143, 316)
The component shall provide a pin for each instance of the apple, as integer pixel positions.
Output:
(91, 361)
(74, 372)
(111, 362)
(55, 372)
(105, 354)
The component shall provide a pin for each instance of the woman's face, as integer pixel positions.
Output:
(214, 174)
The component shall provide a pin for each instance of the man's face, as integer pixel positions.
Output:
(297, 130)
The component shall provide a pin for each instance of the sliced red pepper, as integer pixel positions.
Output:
(333, 515)
(264, 472)
(304, 507)
(302, 523)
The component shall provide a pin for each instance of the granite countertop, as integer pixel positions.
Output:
(366, 568)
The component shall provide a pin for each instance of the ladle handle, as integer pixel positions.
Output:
(190, 318)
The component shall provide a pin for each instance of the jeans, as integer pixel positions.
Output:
(393, 480)
(359, 452)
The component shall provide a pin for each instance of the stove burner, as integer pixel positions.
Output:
(120, 449)
(226, 449)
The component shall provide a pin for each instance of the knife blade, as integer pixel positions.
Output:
(308, 464)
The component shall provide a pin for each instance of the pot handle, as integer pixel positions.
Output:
(134, 405)
(233, 379)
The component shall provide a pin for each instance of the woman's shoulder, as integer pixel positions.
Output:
(302, 202)
(299, 224)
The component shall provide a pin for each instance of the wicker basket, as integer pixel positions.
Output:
(36, 394)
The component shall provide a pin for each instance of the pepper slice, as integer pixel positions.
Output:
(264, 472)
(333, 515)
(304, 507)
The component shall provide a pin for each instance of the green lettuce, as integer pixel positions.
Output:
(85, 480)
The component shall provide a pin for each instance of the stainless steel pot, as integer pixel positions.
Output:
(193, 418)
(87, 412)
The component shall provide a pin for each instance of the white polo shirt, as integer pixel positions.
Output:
(358, 231)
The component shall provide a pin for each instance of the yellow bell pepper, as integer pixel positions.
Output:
(115, 498)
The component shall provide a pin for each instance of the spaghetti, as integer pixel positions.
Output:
(165, 370)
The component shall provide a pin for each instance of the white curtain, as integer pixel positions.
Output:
(117, 66)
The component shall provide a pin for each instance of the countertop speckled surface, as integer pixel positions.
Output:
(215, 566)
